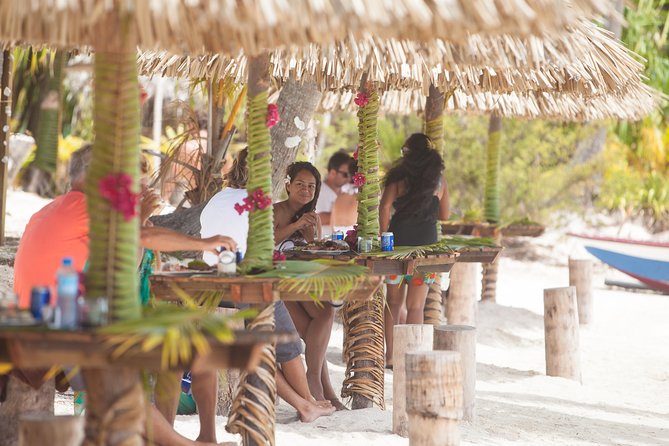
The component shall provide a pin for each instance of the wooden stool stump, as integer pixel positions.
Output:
(462, 339)
(461, 301)
(37, 430)
(561, 333)
(580, 277)
(406, 338)
(434, 398)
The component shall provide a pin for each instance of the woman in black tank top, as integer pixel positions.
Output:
(416, 190)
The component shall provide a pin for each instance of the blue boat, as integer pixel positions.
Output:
(648, 262)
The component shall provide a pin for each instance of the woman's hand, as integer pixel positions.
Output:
(217, 242)
(310, 219)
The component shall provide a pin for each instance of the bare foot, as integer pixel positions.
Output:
(338, 405)
(313, 412)
(322, 403)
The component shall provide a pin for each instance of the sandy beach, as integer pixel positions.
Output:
(623, 399)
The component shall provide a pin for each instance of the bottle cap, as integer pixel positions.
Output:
(67, 261)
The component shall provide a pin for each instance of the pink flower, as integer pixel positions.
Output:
(273, 117)
(352, 237)
(115, 188)
(355, 154)
(278, 256)
(248, 204)
(359, 179)
(264, 203)
(239, 208)
(361, 99)
(258, 195)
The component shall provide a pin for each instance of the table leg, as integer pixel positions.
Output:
(253, 412)
(363, 350)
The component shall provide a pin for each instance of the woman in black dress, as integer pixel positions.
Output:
(416, 189)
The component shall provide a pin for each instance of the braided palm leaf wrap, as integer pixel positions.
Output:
(433, 311)
(112, 270)
(363, 345)
(253, 411)
(261, 229)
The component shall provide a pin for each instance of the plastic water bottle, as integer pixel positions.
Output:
(68, 288)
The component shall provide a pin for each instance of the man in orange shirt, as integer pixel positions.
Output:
(57, 230)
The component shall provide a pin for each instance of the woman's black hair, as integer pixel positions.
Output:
(421, 169)
(292, 172)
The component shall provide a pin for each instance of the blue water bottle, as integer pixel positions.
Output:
(67, 280)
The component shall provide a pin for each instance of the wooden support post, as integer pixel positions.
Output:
(51, 430)
(462, 339)
(5, 113)
(434, 398)
(115, 407)
(580, 277)
(406, 339)
(461, 303)
(561, 333)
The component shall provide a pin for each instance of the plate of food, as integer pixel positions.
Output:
(325, 247)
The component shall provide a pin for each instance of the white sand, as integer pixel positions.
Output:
(624, 398)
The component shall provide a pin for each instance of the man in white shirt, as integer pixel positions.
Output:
(339, 175)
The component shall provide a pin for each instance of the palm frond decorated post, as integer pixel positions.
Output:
(253, 409)
(491, 201)
(117, 403)
(434, 129)
(365, 360)
(48, 129)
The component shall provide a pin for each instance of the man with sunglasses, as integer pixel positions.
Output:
(339, 175)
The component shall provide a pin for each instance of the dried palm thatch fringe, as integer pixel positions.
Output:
(585, 59)
(529, 105)
(433, 307)
(253, 412)
(194, 27)
(363, 349)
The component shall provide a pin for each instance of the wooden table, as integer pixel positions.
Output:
(35, 348)
(480, 229)
(478, 254)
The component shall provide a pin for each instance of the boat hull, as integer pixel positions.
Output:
(648, 262)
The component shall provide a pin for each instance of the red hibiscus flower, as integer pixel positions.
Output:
(115, 188)
(359, 179)
(361, 99)
(278, 256)
(273, 117)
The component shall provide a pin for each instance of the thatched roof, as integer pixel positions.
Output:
(637, 103)
(586, 60)
(225, 26)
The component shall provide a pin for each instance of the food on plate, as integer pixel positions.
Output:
(327, 245)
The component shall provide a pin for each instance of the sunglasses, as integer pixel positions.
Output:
(345, 174)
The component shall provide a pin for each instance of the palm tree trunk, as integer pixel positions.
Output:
(297, 103)
(491, 202)
(115, 407)
(5, 104)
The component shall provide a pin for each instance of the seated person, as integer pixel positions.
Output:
(218, 216)
(338, 177)
(295, 219)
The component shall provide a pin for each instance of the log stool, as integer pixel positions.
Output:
(434, 398)
(462, 339)
(406, 338)
(580, 277)
(561, 333)
(461, 301)
(53, 430)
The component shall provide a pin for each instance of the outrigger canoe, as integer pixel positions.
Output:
(646, 261)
